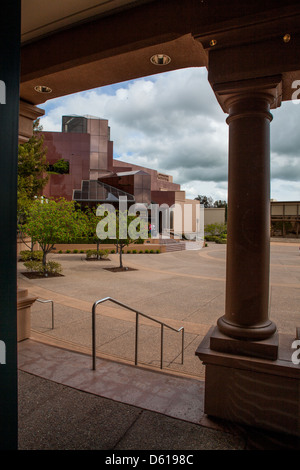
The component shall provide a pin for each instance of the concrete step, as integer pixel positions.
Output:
(175, 247)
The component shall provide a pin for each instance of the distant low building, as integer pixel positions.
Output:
(214, 215)
(285, 219)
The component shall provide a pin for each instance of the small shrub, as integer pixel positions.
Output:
(33, 266)
(25, 255)
(103, 254)
(91, 254)
(68, 251)
(75, 251)
(112, 252)
(128, 252)
(81, 251)
(141, 251)
(221, 240)
(60, 251)
(29, 255)
(210, 238)
(157, 251)
(53, 267)
(146, 251)
(151, 251)
(38, 255)
(215, 229)
(134, 251)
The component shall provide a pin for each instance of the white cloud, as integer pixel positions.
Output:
(218, 191)
(172, 122)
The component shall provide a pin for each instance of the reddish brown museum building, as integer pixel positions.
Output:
(94, 175)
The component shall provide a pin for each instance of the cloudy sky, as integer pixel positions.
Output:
(172, 122)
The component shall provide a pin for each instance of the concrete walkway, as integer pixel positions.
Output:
(124, 406)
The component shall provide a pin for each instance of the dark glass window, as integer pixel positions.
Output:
(76, 124)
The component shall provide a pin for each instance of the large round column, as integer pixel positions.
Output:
(248, 246)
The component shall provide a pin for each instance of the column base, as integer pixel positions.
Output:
(264, 349)
(252, 391)
(253, 333)
(24, 303)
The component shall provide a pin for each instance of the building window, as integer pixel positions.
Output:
(61, 167)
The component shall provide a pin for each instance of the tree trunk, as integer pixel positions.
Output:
(44, 259)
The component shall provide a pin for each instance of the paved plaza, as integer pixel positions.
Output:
(182, 289)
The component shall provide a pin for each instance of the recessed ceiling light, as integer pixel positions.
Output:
(160, 59)
(42, 89)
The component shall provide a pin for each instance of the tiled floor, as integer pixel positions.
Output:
(155, 391)
(64, 404)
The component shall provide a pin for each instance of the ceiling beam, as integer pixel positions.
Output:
(117, 47)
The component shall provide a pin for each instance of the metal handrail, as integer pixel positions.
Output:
(47, 301)
(136, 330)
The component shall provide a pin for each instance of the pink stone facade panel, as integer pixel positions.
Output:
(90, 156)
(74, 148)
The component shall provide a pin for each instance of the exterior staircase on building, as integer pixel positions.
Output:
(172, 245)
(97, 191)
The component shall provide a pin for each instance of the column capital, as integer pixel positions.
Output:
(266, 88)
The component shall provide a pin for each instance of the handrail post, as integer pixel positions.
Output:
(52, 315)
(161, 345)
(136, 336)
(94, 336)
(137, 313)
(182, 345)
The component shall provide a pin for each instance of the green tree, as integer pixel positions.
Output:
(32, 167)
(121, 228)
(125, 220)
(91, 225)
(61, 167)
(221, 203)
(50, 222)
(216, 229)
(206, 201)
(32, 175)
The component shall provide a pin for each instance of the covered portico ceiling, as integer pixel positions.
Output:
(75, 45)
(43, 17)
